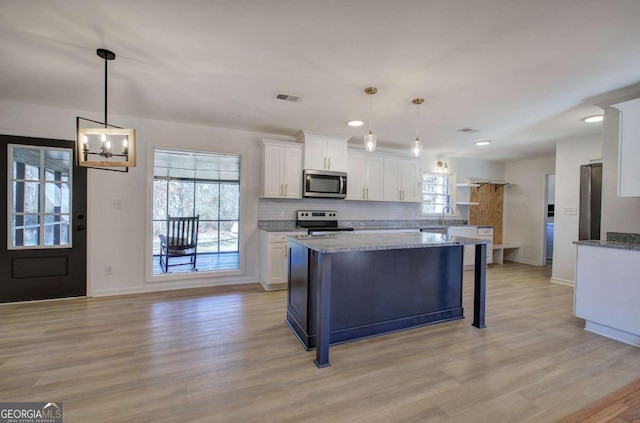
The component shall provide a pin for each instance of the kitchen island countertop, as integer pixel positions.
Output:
(334, 243)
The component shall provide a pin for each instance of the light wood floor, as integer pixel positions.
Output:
(225, 355)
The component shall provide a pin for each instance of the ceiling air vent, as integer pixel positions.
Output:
(468, 130)
(289, 97)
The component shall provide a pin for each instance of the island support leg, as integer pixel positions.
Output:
(480, 286)
(323, 268)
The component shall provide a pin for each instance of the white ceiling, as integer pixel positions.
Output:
(521, 72)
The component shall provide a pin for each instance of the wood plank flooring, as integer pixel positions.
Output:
(224, 354)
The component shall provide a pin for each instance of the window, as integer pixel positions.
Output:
(436, 192)
(204, 184)
(40, 191)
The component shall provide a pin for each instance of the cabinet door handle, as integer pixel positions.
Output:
(286, 189)
(367, 193)
(363, 197)
(280, 190)
(329, 162)
(324, 165)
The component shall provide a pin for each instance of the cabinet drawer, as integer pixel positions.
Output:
(281, 236)
(485, 231)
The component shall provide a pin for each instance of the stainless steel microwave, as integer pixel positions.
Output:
(324, 184)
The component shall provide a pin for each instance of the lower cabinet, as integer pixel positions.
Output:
(470, 250)
(274, 259)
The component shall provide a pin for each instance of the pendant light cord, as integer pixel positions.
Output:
(105, 92)
(417, 118)
(370, 108)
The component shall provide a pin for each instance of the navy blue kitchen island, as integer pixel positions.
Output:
(344, 287)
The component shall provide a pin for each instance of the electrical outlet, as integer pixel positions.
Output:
(115, 203)
(570, 211)
(108, 269)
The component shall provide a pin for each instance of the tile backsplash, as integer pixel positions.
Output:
(276, 209)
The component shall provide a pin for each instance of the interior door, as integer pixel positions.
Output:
(42, 238)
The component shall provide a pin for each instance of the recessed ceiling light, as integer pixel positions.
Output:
(355, 123)
(481, 143)
(594, 118)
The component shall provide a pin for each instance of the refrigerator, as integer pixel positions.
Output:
(590, 201)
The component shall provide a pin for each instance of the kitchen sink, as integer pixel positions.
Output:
(435, 229)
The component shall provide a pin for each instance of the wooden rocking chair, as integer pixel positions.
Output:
(180, 240)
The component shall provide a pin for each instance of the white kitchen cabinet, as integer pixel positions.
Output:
(401, 180)
(470, 250)
(629, 148)
(274, 259)
(365, 180)
(324, 152)
(282, 169)
(607, 292)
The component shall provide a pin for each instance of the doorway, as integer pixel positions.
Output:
(549, 207)
(44, 247)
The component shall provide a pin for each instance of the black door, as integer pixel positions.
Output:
(43, 241)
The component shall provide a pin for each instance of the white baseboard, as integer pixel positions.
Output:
(561, 281)
(529, 262)
(171, 286)
(609, 332)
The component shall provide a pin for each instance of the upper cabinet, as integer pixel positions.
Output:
(629, 148)
(324, 152)
(365, 172)
(282, 169)
(401, 180)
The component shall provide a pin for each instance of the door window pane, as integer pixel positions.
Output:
(56, 230)
(26, 229)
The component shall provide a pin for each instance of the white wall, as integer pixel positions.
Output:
(570, 154)
(619, 214)
(121, 238)
(524, 212)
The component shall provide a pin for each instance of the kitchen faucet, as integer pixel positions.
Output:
(444, 209)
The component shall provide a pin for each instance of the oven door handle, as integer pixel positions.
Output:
(342, 185)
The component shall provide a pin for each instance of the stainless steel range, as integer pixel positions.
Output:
(320, 222)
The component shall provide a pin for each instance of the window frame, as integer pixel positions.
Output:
(451, 178)
(185, 277)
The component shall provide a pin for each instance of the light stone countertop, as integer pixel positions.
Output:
(610, 244)
(336, 243)
(359, 225)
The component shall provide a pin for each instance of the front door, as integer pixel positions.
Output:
(43, 242)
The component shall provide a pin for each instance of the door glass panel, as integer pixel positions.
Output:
(56, 230)
(56, 199)
(26, 230)
(40, 210)
(26, 197)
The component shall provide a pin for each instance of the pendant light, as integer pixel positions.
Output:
(370, 139)
(416, 145)
(108, 146)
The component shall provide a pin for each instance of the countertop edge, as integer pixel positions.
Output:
(609, 244)
(344, 245)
